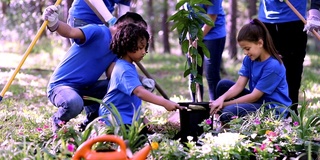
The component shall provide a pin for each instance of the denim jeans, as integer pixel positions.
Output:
(240, 109)
(70, 102)
(211, 67)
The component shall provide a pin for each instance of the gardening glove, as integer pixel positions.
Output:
(313, 21)
(51, 14)
(148, 84)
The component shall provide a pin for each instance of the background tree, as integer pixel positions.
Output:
(232, 28)
(165, 28)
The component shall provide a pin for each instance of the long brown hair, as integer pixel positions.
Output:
(256, 30)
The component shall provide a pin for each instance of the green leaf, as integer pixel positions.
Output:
(187, 72)
(205, 19)
(185, 46)
(199, 60)
(204, 49)
(180, 4)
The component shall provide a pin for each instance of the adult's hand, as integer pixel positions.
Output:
(51, 14)
(313, 21)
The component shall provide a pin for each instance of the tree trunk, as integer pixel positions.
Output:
(151, 25)
(165, 28)
(252, 11)
(232, 27)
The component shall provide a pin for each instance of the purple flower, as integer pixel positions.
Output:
(39, 129)
(208, 121)
(256, 121)
(296, 123)
(71, 147)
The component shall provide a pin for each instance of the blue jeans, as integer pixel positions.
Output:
(70, 102)
(240, 109)
(211, 66)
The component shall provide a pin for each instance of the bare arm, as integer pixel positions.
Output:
(249, 98)
(147, 96)
(235, 89)
(70, 32)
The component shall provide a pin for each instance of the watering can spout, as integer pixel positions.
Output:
(142, 154)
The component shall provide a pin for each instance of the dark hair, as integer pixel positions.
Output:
(131, 17)
(256, 30)
(127, 39)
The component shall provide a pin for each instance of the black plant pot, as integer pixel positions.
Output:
(190, 118)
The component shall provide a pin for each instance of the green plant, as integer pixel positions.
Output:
(188, 20)
(131, 133)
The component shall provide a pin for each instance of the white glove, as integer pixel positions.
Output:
(148, 84)
(313, 21)
(51, 14)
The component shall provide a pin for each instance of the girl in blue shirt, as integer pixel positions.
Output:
(262, 68)
(125, 90)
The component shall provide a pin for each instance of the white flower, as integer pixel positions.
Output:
(254, 135)
(206, 148)
(190, 138)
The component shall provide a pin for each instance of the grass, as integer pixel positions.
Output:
(25, 110)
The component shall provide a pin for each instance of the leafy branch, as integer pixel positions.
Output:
(188, 21)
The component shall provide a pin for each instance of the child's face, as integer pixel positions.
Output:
(254, 50)
(141, 52)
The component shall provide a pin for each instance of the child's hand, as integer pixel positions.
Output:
(216, 106)
(172, 106)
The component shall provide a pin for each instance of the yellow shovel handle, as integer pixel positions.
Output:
(25, 55)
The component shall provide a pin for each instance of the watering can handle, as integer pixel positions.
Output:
(84, 150)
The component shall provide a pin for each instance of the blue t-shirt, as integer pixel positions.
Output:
(79, 9)
(124, 79)
(84, 63)
(274, 11)
(269, 77)
(219, 28)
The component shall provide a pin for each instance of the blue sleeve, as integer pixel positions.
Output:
(270, 79)
(245, 69)
(129, 81)
(214, 8)
(93, 32)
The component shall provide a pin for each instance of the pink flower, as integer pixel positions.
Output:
(61, 123)
(296, 123)
(255, 150)
(272, 134)
(39, 129)
(71, 147)
(45, 127)
(263, 146)
(234, 117)
(208, 121)
(278, 148)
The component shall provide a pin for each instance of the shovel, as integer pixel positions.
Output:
(315, 33)
(25, 55)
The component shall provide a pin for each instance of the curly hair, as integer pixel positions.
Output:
(127, 39)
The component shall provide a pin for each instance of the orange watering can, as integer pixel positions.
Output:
(84, 150)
